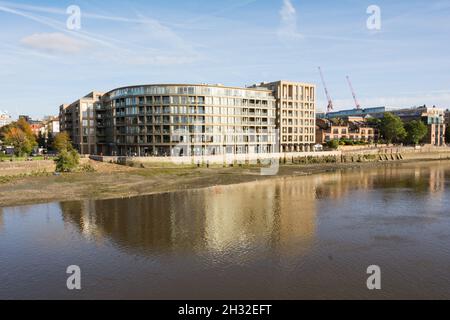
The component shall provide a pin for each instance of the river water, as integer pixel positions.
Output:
(308, 237)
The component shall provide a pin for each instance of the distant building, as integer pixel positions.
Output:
(352, 113)
(50, 126)
(356, 129)
(36, 127)
(447, 120)
(5, 119)
(25, 117)
(433, 117)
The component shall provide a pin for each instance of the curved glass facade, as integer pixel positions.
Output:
(185, 119)
(177, 120)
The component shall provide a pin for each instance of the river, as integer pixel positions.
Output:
(308, 237)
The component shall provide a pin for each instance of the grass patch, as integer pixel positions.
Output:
(37, 173)
(4, 158)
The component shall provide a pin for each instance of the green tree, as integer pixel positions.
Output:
(41, 140)
(50, 141)
(62, 142)
(338, 121)
(374, 122)
(67, 161)
(416, 130)
(333, 144)
(391, 128)
(68, 158)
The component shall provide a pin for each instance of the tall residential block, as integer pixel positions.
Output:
(190, 119)
(78, 119)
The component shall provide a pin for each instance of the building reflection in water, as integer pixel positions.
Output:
(266, 215)
(263, 215)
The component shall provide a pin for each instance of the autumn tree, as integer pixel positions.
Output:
(62, 142)
(19, 135)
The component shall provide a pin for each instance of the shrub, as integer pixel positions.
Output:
(333, 144)
(86, 168)
(67, 161)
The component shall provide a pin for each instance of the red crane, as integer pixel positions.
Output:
(330, 102)
(358, 106)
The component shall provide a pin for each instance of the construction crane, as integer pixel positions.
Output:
(330, 102)
(358, 106)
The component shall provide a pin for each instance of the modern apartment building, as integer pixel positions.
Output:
(78, 119)
(189, 119)
(296, 114)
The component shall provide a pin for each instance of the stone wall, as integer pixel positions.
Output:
(220, 159)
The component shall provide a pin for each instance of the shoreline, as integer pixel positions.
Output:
(126, 182)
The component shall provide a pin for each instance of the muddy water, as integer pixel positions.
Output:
(292, 238)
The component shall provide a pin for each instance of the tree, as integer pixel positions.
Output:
(19, 140)
(20, 136)
(333, 144)
(338, 121)
(23, 125)
(41, 140)
(62, 142)
(391, 128)
(374, 122)
(68, 158)
(50, 141)
(416, 130)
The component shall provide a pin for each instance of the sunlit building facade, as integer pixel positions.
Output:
(78, 119)
(185, 119)
(5, 119)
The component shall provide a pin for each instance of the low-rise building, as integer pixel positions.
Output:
(50, 126)
(351, 129)
(433, 118)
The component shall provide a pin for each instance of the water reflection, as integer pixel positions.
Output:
(294, 237)
(1, 219)
(270, 215)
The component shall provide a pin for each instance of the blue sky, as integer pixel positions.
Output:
(235, 42)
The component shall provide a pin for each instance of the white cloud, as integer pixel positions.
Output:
(167, 47)
(54, 42)
(288, 23)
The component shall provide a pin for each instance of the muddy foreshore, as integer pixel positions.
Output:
(112, 181)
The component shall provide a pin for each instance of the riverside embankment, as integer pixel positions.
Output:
(34, 181)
